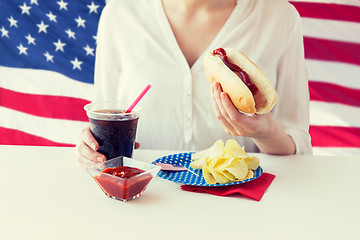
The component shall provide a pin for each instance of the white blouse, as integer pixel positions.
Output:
(136, 47)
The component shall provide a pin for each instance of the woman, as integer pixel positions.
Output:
(163, 43)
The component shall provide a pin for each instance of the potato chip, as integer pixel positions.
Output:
(232, 148)
(207, 175)
(238, 168)
(219, 177)
(224, 163)
(250, 174)
(199, 159)
(216, 150)
(228, 175)
(220, 163)
(252, 162)
(198, 155)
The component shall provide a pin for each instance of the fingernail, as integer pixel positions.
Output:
(100, 159)
(93, 146)
(223, 97)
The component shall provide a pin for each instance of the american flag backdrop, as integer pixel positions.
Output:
(47, 58)
(47, 54)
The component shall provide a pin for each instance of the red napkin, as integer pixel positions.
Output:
(254, 189)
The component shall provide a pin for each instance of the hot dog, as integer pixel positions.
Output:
(246, 84)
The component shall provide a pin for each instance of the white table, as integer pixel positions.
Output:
(45, 194)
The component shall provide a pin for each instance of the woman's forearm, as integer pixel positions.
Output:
(276, 142)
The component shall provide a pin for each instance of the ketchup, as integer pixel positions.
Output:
(123, 171)
(128, 185)
(221, 53)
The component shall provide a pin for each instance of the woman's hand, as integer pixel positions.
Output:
(87, 147)
(263, 128)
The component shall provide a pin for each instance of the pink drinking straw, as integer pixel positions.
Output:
(138, 99)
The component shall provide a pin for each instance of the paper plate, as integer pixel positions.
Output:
(195, 176)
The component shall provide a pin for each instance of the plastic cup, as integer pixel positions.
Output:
(113, 128)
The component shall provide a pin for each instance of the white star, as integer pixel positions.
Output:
(92, 8)
(12, 21)
(59, 46)
(80, 22)
(30, 39)
(34, 2)
(42, 27)
(89, 50)
(51, 16)
(4, 32)
(76, 64)
(62, 5)
(70, 33)
(95, 37)
(22, 49)
(25, 9)
(49, 57)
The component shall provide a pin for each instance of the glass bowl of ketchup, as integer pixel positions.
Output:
(123, 178)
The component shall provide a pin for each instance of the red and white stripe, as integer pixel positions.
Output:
(39, 107)
(332, 51)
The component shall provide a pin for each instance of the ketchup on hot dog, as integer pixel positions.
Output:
(259, 98)
(221, 53)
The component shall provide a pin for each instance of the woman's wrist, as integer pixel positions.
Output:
(275, 141)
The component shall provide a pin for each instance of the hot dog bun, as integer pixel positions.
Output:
(239, 93)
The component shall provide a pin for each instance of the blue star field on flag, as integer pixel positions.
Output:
(55, 35)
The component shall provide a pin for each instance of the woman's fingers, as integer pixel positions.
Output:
(87, 149)
(234, 122)
(214, 92)
(87, 156)
(88, 138)
(219, 109)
